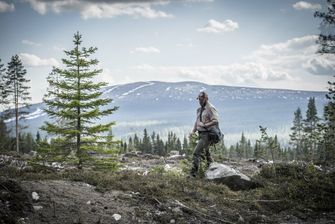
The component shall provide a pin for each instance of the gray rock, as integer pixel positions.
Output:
(37, 207)
(232, 178)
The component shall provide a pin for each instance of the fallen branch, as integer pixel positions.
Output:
(4, 187)
(201, 213)
(233, 199)
(155, 199)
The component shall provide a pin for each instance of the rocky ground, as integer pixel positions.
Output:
(148, 189)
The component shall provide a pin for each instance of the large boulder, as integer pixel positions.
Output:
(232, 178)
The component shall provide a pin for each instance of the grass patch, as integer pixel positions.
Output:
(287, 188)
(301, 186)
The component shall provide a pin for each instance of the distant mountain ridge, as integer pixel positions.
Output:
(166, 106)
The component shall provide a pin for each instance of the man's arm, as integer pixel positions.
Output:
(194, 128)
(211, 123)
(214, 118)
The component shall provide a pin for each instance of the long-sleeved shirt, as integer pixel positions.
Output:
(208, 114)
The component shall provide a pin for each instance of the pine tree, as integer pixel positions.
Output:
(257, 150)
(178, 146)
(75, 99)
(327, 46)
(223, 150)
(277, 152)
(4, 133)
(3, 96)
(38, 137)
(125, 147)
(136, 142)
(192, 142)
(310, 129)
(296, 137)
(153, 143)
(160, 146)
(267, 145)
(130, 144)
(15, 91)
(27, 142)
(4, 136)
(249, 151)
(185, 146)
(232, 151)
(327, 37)
(241, 147)
(146, 144)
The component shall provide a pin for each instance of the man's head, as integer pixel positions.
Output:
(203, 98)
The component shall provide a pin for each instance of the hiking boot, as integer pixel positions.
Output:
(192, 175)
(208, 164)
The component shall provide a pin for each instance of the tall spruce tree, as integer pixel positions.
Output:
(136, 142)
(4, 135)
(185, 146)
(312, 134)
(326, 43)
(241, 150)
(76, 99)
(296, 137)
(160, 146)
(3, 98)
(326, 39)
(249, 151)
(16, 93)
(146, 144)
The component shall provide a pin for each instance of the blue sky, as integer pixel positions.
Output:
(258, 43)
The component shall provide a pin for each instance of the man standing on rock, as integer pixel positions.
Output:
(207, 117)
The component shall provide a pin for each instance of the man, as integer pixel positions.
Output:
(207, 116)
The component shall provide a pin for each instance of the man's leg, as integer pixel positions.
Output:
(202, 144)
(209, 158)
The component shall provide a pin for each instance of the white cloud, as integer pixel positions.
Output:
(106, 76)
(187, 45)
(35, 61)
(105, 10)
(302, 5)
(58, 48)
(322, 65)
(144, 123)
(250, 74)
(145, 67)
(31, 43)
(191, 1)
(235, 74)
(214, 26)
(295, 54)
(145, 50)
(38, 6)
(291, 64)
(102, 9)
(5, 7)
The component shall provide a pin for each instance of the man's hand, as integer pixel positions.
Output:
(192, 135)
(202, 125)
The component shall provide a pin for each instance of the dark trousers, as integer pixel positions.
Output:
(202, 146)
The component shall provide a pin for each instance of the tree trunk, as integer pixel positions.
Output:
(78, 117)
(16, 99)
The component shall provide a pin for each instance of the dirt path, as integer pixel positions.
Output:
(76, 202)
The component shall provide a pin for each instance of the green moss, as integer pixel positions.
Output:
(300, 186)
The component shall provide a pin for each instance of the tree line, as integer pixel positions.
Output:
(74, 105)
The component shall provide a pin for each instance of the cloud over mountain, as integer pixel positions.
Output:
(302, 5)
(214, 26)
(89, 9)
(35, 61)
(6, 7)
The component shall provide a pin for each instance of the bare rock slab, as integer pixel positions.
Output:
(234, 179)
